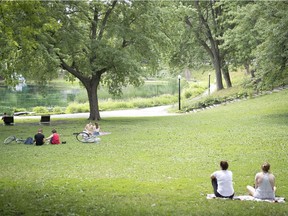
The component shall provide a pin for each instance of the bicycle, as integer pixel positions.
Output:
(86, 137)
(13, 138)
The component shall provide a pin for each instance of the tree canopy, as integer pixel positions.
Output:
(113, 42)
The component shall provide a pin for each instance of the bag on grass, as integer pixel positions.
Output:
(29, 141)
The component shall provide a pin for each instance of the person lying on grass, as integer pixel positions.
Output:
(222, 181)
(264, 184)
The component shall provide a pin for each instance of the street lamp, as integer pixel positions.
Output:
(209, 83)
(179, 92)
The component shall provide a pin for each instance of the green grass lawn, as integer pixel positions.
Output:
(148, 166)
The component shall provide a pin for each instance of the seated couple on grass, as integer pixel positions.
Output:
(92, 129)
(264, 183)
(40, 139)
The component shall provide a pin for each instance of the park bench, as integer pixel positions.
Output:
(45, 119)
(8, 120)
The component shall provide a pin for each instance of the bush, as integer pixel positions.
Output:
(5, 109)
(40, 109)
(77, 108)
(58, 109)
(164, 100)
(20, 110)
(112, 105)
(193, 91)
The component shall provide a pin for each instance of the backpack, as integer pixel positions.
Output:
(29, 141)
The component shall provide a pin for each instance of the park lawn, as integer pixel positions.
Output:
(148, 166)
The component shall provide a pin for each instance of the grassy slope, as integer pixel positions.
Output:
(156, 166)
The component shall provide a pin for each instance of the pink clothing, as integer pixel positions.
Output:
(55, 139)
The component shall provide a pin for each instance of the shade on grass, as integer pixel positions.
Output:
(148, 166)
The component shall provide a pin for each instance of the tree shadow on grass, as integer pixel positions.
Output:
(281, 118)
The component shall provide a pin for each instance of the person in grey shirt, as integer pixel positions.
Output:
(264, 184)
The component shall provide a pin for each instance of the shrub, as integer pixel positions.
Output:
(112, 105)
(164, 100)
(77, 108)
(193, 91)
(40, 109)
(20, 110)
(57, 109)
(6, 109)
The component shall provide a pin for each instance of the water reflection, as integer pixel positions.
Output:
(27, 96)
(21, 84)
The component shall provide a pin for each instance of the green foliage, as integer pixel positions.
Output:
(137, 102)
(225, 95)
(7, 109)
(58, 110)
(258, 39)
(193, 90)
(40, 109)
(148, 166)
(77, 108)
(22, 26)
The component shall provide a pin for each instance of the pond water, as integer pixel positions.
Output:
(29, 96)
(33, 95)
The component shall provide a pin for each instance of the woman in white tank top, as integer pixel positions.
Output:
(264, 184)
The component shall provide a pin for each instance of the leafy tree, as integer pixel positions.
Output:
(240, 37)
(20, 26)
(272, 52)
(109, 42)
(258, 38)
(203, 24)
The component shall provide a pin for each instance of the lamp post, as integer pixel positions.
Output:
(179, 91)
(209, 83)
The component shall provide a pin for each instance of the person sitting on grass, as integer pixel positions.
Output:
(222, 181)
(39, 138)
(96, 129)
(4, 115)
(54, 137)
(89, 128)
(264, 184)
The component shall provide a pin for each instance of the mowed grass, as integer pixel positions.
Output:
(148, 166)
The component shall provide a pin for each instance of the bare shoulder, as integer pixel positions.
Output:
(271, 176)
(259, 174)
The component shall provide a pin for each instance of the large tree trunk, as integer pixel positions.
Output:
(91, 86)
(213, 49)
(226, 75)
(93, 103)
(217, 66)
(248, 71)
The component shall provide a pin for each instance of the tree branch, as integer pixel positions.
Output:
(94, 23)
(70, 69)
(107, 14)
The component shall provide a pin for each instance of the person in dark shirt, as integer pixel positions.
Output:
(39, 138)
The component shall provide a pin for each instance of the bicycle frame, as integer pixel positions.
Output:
(86, 138)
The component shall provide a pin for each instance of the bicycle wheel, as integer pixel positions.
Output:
(9, 139)
(82, 137)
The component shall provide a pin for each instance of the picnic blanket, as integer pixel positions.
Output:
(101, 133)
(249, 198)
